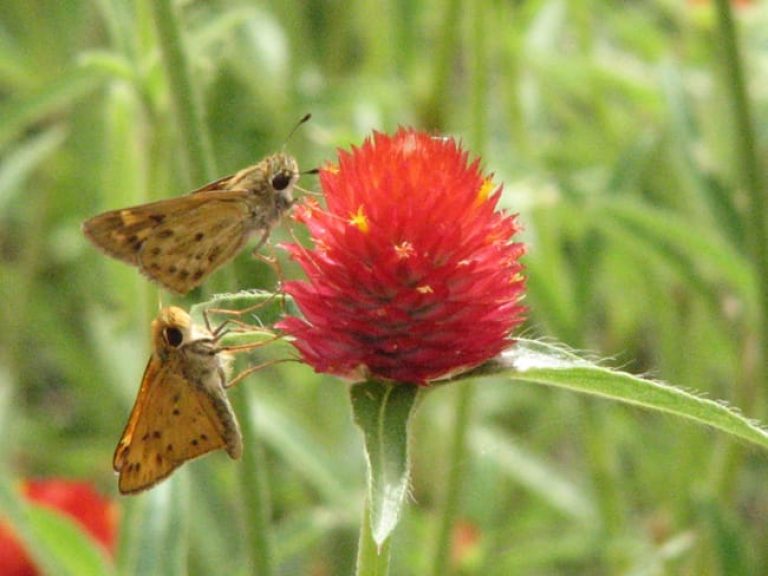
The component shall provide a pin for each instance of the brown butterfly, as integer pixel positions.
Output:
(179, 242)
(182, 410)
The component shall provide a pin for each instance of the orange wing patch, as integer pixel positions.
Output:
(172, 421)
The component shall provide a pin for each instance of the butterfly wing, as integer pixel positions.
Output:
(176, 242)
(171, 422)
(122, 233)
(216, 185)
(185, 249)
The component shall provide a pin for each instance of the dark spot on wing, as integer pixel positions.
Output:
(197, 275)
(172, 269)
(154, 266)
(184, 274)
(199, 236)
(195, 442)
(176, 412)
(203, 437)
(159, 459)
(155, 251)
(145, 437)
(157, 434)
(157, 218)
(176, 398)
(169, 448)
(167, 233)
(214, 254)
(135, 242)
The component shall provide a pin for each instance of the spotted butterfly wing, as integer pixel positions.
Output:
(184, 250)
(178, 242)
(181, 411)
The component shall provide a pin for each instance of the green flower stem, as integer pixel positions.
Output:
(749, 390)
(195, 141)
(255, 497)
(750, 168)
(372, 560)
(435, 112)
(457, 454)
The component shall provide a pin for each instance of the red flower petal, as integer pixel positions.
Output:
(414, 275)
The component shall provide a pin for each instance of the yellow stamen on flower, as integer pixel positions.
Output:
(331, 167)
(484, 192)
(360, 220)
(404, 250)
(426, 289)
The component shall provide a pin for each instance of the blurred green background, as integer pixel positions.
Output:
(611, 125)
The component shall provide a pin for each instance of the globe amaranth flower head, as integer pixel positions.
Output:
(414, 275)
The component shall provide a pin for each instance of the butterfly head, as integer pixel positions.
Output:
(282, 175)
(171, 330)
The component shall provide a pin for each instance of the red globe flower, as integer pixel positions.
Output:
(78, 500)
(413, 275)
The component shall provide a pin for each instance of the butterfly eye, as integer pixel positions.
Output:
(281, 181)
(173, 336)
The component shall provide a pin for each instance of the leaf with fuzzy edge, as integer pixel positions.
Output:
(541, 363)
(259, 310)
(383, 413)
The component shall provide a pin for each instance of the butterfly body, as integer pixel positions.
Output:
(179, 242)
(182, 410)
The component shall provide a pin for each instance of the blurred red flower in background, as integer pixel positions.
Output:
(413, 275)
(79, 501)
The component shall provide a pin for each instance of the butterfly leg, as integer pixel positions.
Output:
(234, 314)
(261, 242)
(273, 261)
(250, 345)
(248, 371)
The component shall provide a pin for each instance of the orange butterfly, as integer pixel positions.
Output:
(179, 242)
(182, 410)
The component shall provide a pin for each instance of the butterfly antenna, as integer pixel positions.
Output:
(303, 120)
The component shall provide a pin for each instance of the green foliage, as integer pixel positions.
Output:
(383, 414)
(621, 137)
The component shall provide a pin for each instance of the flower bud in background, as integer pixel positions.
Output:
(414, 275)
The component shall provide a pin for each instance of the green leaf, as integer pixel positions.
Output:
(289, 437)
(726, 538)
(248, 315)
(56, 542)
(24, 158)
(533, 472)
(73, 550)
(159, 543)
(261, 308)
(541, 363)
(704, 258)
(383, 412)
(21, 113)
